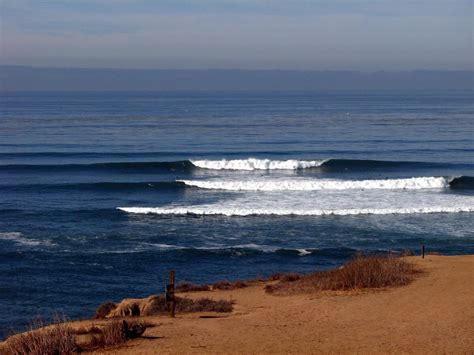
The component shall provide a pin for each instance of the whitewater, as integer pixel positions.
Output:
(281, 196)
(197, 210)
(299, 184)
(263, 187)
(256, 164)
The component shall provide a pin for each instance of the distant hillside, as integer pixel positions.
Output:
(19, 78)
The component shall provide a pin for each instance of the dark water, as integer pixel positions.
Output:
(332, 174)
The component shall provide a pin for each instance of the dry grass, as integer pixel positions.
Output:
(204, 305)
(190, 287)
(114, 333)
(188, 305)
(58, 338)
(221, 285)
(104, 309)
(227, 285)
(289, 277)
(362, 272)
(156, 305)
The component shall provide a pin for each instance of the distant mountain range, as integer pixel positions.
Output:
(21, 78)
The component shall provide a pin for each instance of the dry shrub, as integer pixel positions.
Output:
(104, 309)
(221, 285)
(187, 305)
(227, 285)
(289, 277)
(58, 338)
(190, 287)
(361, 272)
(111, 334)
(115, 333)
(204, 305)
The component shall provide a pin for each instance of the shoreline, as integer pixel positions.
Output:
(433, 314)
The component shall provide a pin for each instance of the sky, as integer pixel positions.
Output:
(392, 35)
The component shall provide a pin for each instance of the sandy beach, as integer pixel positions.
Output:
(433, 314)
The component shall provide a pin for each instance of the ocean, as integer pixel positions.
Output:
(101, 194)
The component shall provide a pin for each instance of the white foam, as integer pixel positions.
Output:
(323, 202)
(296, 184)
(163, 246)
(263, 248)
(256, 164)
(220, 210)
(303, 252)
(18, 238)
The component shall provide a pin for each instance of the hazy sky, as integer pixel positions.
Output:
(292, 34)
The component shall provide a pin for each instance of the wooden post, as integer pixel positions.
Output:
(170, 294)
(422, 251)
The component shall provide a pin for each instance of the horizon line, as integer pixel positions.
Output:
(239, 69)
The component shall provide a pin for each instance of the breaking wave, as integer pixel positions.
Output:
(415, 183)
(257, 164)
(220, 210)
(262, 184)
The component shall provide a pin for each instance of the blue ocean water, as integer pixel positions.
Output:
(102, 193)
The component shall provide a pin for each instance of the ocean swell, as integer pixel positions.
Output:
(247, 164)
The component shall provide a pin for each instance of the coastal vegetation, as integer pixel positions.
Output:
(361, 272)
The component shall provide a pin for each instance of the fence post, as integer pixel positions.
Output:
(169, 295)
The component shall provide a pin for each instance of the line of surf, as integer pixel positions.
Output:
(256, 164)
(415, 183)
(297, 184)
(210, 210)
(329, 164)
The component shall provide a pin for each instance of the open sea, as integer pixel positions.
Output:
(101, 194)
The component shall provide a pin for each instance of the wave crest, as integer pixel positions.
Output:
(257, 164)
(415, 183)
(288, 212)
